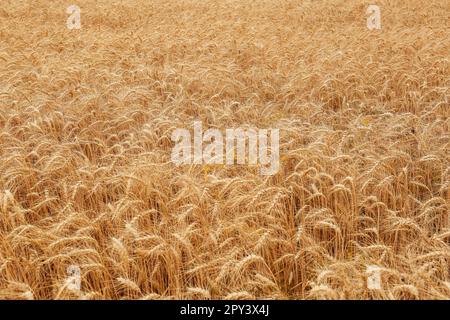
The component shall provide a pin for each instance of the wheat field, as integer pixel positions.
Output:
(86, 179)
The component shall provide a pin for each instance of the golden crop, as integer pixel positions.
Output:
(86, 179)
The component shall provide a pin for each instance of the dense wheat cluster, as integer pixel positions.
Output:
(86, 177)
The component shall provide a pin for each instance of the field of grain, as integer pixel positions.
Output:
(86, 177)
